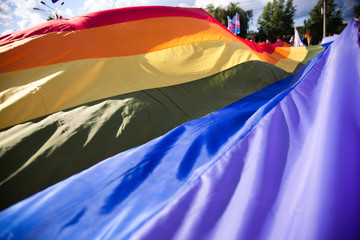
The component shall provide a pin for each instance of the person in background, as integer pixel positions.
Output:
(304, 41)
(291, 41)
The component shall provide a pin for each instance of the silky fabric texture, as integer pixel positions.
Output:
(45, 151)
(285, 167)
(45, 90)
(107, 17)
(157, 171)
(57, 69)
(295, 175)
(65, 112)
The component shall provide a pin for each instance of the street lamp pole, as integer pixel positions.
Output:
(53, 10)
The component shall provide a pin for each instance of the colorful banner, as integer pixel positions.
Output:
(234, 24)
(308, 38)
(189, 133)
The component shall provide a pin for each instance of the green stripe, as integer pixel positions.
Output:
(312, 52)
(64, 143)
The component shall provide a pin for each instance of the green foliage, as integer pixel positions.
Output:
(276, 19)
(221, 14)
(50, 17)
(357, 11)
(334, 21)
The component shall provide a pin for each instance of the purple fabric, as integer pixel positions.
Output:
(295, 175)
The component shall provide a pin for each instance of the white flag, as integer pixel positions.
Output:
(297, 40)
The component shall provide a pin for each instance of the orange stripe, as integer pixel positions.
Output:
(36, 92)
(123, 39)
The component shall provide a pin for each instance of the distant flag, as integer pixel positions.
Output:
(297, 39)
(234, 24)
(237, 24)
(308, 38)
(231, 26)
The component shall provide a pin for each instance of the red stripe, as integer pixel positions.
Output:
(107, 17)
(259, 48)
(119, 15)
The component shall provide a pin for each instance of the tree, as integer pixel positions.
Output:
(221, 14)
(357, 11)
(50, 17)
(334, 21)
(277, 19)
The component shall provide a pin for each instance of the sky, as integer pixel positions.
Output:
(19, 14)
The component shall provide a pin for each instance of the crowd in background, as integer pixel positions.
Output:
(289, 39)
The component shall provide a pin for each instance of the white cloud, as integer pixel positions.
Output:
(128, 3)
(5, 14)
(303, 8)
(7, 31)
(244, 4)
(184, 5)
(300, 21)
(97, 5)
(23, 23)
(25, 15)
(216, 3)
(67, 14)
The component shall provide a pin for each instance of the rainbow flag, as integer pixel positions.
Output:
(179, 131)
(308, 38)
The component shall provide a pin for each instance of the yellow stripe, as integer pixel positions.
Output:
(297, 54)
(66, 85)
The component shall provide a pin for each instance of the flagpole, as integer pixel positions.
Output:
(54, 10)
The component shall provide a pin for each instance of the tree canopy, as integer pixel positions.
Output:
(276, 19)
(220, 13)
(334, 21)
(357, 11)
